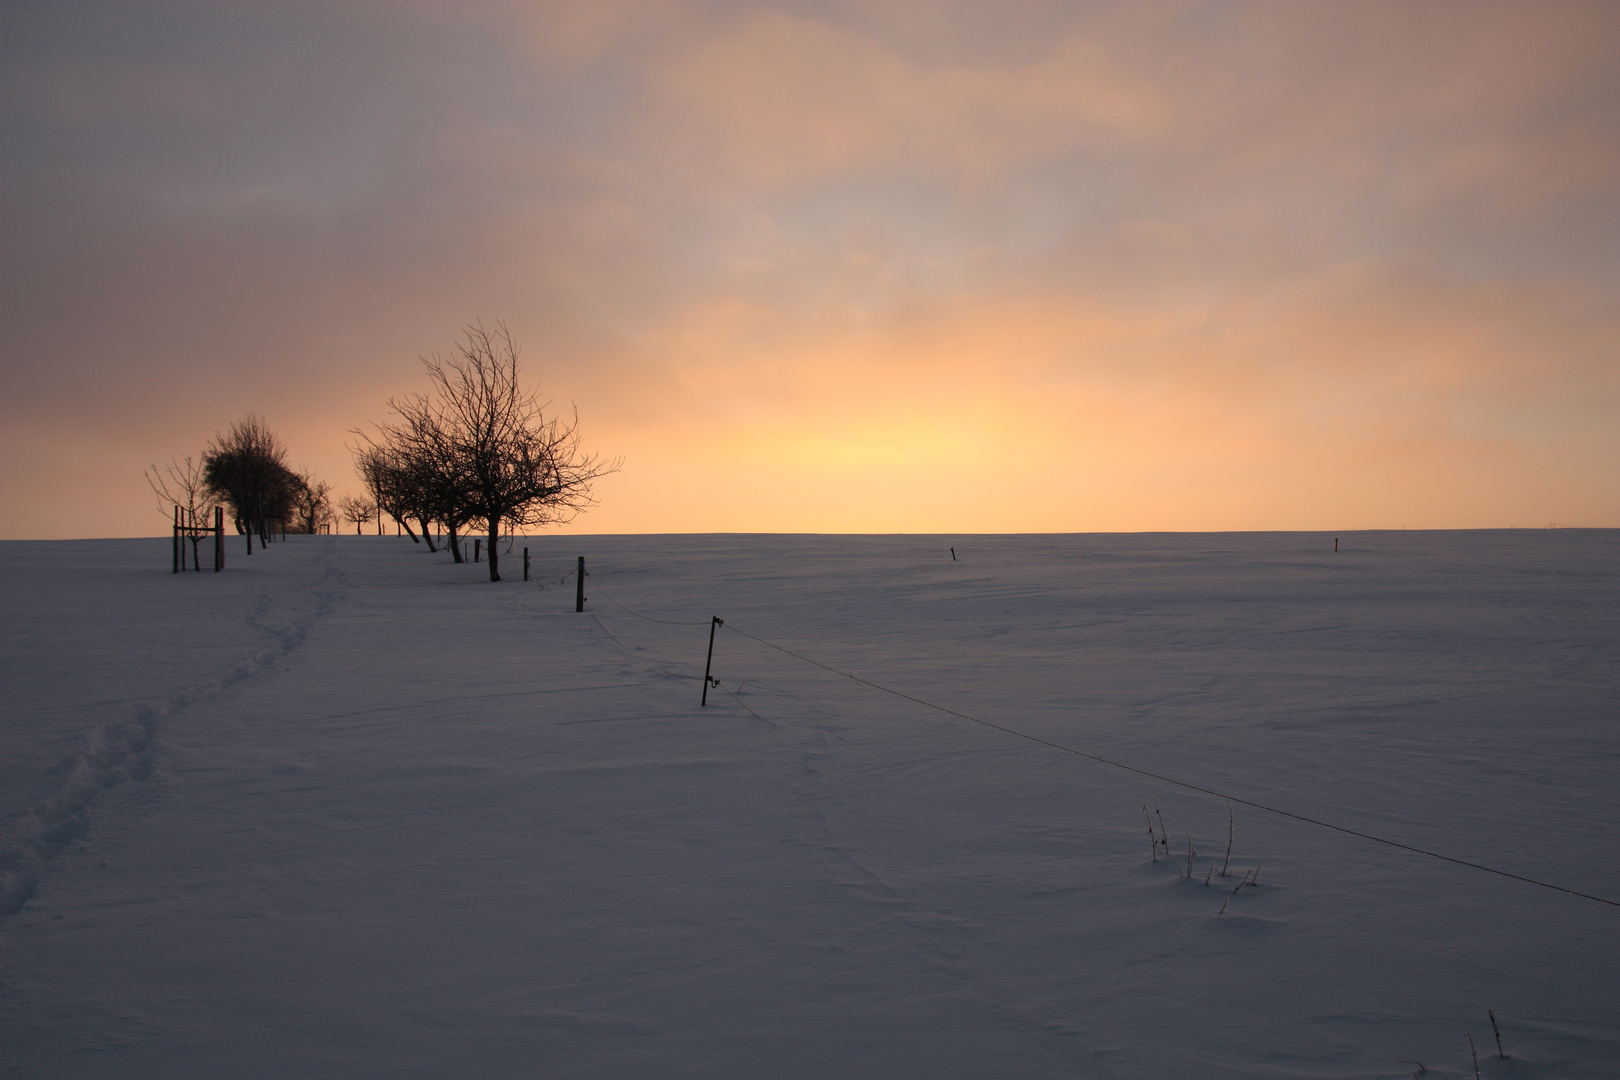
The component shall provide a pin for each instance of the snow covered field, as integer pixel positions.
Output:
(349, 810)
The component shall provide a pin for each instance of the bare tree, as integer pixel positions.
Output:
(393, 483)
(519, 466)
(310, 505)
(418, 466)
(480, 447)
(180, 484)
(357, 511)
(369, 466)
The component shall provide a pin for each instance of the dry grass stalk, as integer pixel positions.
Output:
(1231, 832)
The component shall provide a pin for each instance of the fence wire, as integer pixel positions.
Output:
(548, 584)
(647, 618)
(1098, 759)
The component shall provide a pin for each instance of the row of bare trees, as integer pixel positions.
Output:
(477, 451)
(245, 469)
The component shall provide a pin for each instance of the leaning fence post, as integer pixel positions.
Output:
(579, 586)
(709, 663)
(525, 564)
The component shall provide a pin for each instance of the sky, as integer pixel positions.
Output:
(836, 267)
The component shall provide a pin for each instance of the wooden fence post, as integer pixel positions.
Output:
(177, 548)
(219, 539)
(579, 586)
(525, 564)
(709, 663)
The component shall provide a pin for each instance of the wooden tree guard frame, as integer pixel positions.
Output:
(186, 529)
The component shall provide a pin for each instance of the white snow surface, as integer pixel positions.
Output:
(350, 810)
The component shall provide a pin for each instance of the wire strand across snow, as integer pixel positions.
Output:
(647, 618)
(1161, 777)
(1185, 785)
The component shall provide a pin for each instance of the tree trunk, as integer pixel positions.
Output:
(455, 542)
(412, 535)
(494, 535)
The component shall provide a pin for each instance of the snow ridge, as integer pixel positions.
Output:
(123, 751)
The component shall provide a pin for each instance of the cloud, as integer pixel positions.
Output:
(913, 267)
(823, 100)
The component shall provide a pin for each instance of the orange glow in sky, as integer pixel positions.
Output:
(838, 267)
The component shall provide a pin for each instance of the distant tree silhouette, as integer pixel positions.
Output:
(389, 476)
(358, 511)
(416, 465)
(246, 468)
(311, 506)
(480, 448)
(519, 467)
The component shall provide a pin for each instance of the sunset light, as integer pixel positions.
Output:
(838, 267)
